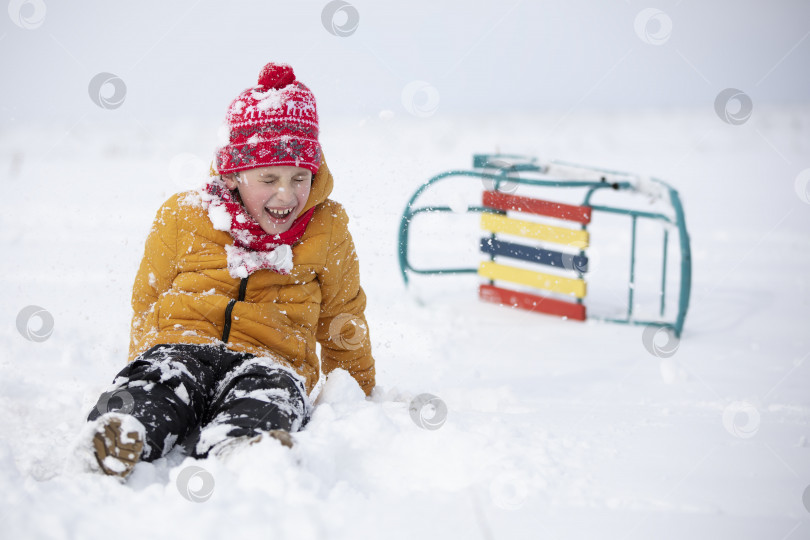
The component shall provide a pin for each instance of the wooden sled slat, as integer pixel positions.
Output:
(548, 257)
(559, 235)
(538, 280)
(506, 202)
(531, 302)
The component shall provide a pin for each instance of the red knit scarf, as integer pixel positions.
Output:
(254, 248)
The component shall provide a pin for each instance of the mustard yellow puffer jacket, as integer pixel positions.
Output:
(183, 290)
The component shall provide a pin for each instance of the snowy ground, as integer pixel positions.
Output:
(554, 429)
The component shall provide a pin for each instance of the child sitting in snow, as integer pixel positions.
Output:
(238, 282)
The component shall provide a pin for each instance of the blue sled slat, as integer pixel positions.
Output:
(557, 259)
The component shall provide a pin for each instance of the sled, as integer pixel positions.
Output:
(535, 249)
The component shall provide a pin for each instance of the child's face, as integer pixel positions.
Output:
(273, 196)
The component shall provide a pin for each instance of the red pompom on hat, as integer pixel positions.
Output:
(276, 76)
(273, 123)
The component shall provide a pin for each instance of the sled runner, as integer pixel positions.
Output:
(535, 248)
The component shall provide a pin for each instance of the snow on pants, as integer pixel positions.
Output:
(199, 395)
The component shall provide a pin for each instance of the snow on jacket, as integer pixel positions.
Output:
(183, 290)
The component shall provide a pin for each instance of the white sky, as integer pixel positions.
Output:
(190, 58)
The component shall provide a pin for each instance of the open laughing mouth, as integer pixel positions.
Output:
(280, 216)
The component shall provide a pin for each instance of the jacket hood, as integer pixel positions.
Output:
(322, 184)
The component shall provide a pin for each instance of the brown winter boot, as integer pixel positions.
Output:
(282, 436)
(116, 452)
(225, 448)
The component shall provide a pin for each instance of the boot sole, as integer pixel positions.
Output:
(109, 444)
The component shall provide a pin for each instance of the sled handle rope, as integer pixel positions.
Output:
(563, 291)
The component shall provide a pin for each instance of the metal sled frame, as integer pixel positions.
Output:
(528, 165)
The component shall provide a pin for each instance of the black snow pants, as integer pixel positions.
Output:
(199, 395)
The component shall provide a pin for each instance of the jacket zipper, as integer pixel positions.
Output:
(226, 330)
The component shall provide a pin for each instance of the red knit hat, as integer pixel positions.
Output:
(273, 123)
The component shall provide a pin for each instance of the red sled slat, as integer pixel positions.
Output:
(531, 302)
(568, 212)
